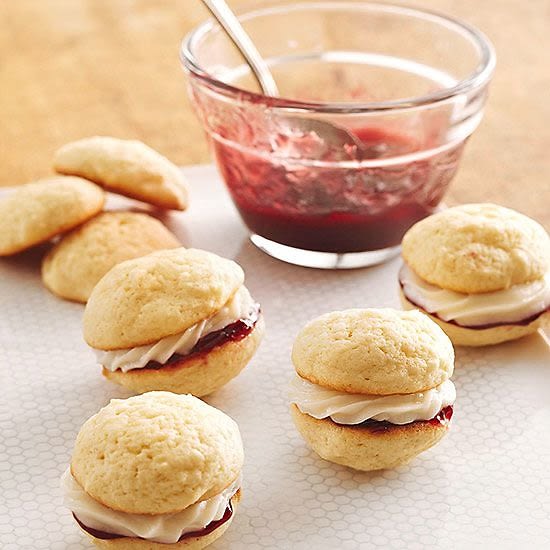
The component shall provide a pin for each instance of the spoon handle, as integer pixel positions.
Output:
(234, 30)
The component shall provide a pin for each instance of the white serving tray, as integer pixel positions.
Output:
(486, 485)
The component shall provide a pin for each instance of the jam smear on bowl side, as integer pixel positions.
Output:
(333, 208)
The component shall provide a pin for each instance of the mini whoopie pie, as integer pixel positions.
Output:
(74, 265)
(481, 271)
(155, 471)
(373, 386)
(127, 167)
(179, 320)
(36, 212)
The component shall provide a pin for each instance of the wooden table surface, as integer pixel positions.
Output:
(73, 68)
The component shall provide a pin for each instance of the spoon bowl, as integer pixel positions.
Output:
(342, 144)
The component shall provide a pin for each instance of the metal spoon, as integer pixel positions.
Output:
(341, 140)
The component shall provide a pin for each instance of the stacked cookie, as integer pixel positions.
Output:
(373, 386)
(69, 205)
(155, 471)
(178, 320)
(481, 271)
(129, 168)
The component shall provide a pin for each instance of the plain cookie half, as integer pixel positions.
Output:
(127, 167)
(38, 211)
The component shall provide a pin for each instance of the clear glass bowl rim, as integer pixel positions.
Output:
(478, 78)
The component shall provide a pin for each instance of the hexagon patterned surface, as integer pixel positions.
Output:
(486, 485)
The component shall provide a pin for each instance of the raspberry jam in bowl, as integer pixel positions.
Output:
(410, 85)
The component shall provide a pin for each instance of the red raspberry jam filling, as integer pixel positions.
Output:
(442, 418)
(234, 332)
(207, 530)
(521, 322)
(336, 208)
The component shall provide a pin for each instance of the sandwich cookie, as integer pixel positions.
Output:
(481, 271)
(38, 211)
(126, 167)
(179, 320)
(74, 266)
(154, 472)
(372, 389)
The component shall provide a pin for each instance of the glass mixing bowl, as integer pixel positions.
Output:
(410, 84)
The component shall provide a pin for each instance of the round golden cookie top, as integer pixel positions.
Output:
(38, 211)
(477, 248)
(156, 453)
(128, 167)
(143, 300)
(74, 266)
(374, 351)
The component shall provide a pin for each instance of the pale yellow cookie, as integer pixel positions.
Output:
(476, 248)
(199, 374)
(475, 337)
(373, 351)
(363, 448)
(74, 266)
(127, 167)
(36, 212)
(156, 453)
(143, 300)
(188, 543)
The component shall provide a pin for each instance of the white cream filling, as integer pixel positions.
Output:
(239, 307)
(354, 408)
(514, 304)
(163, 528)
